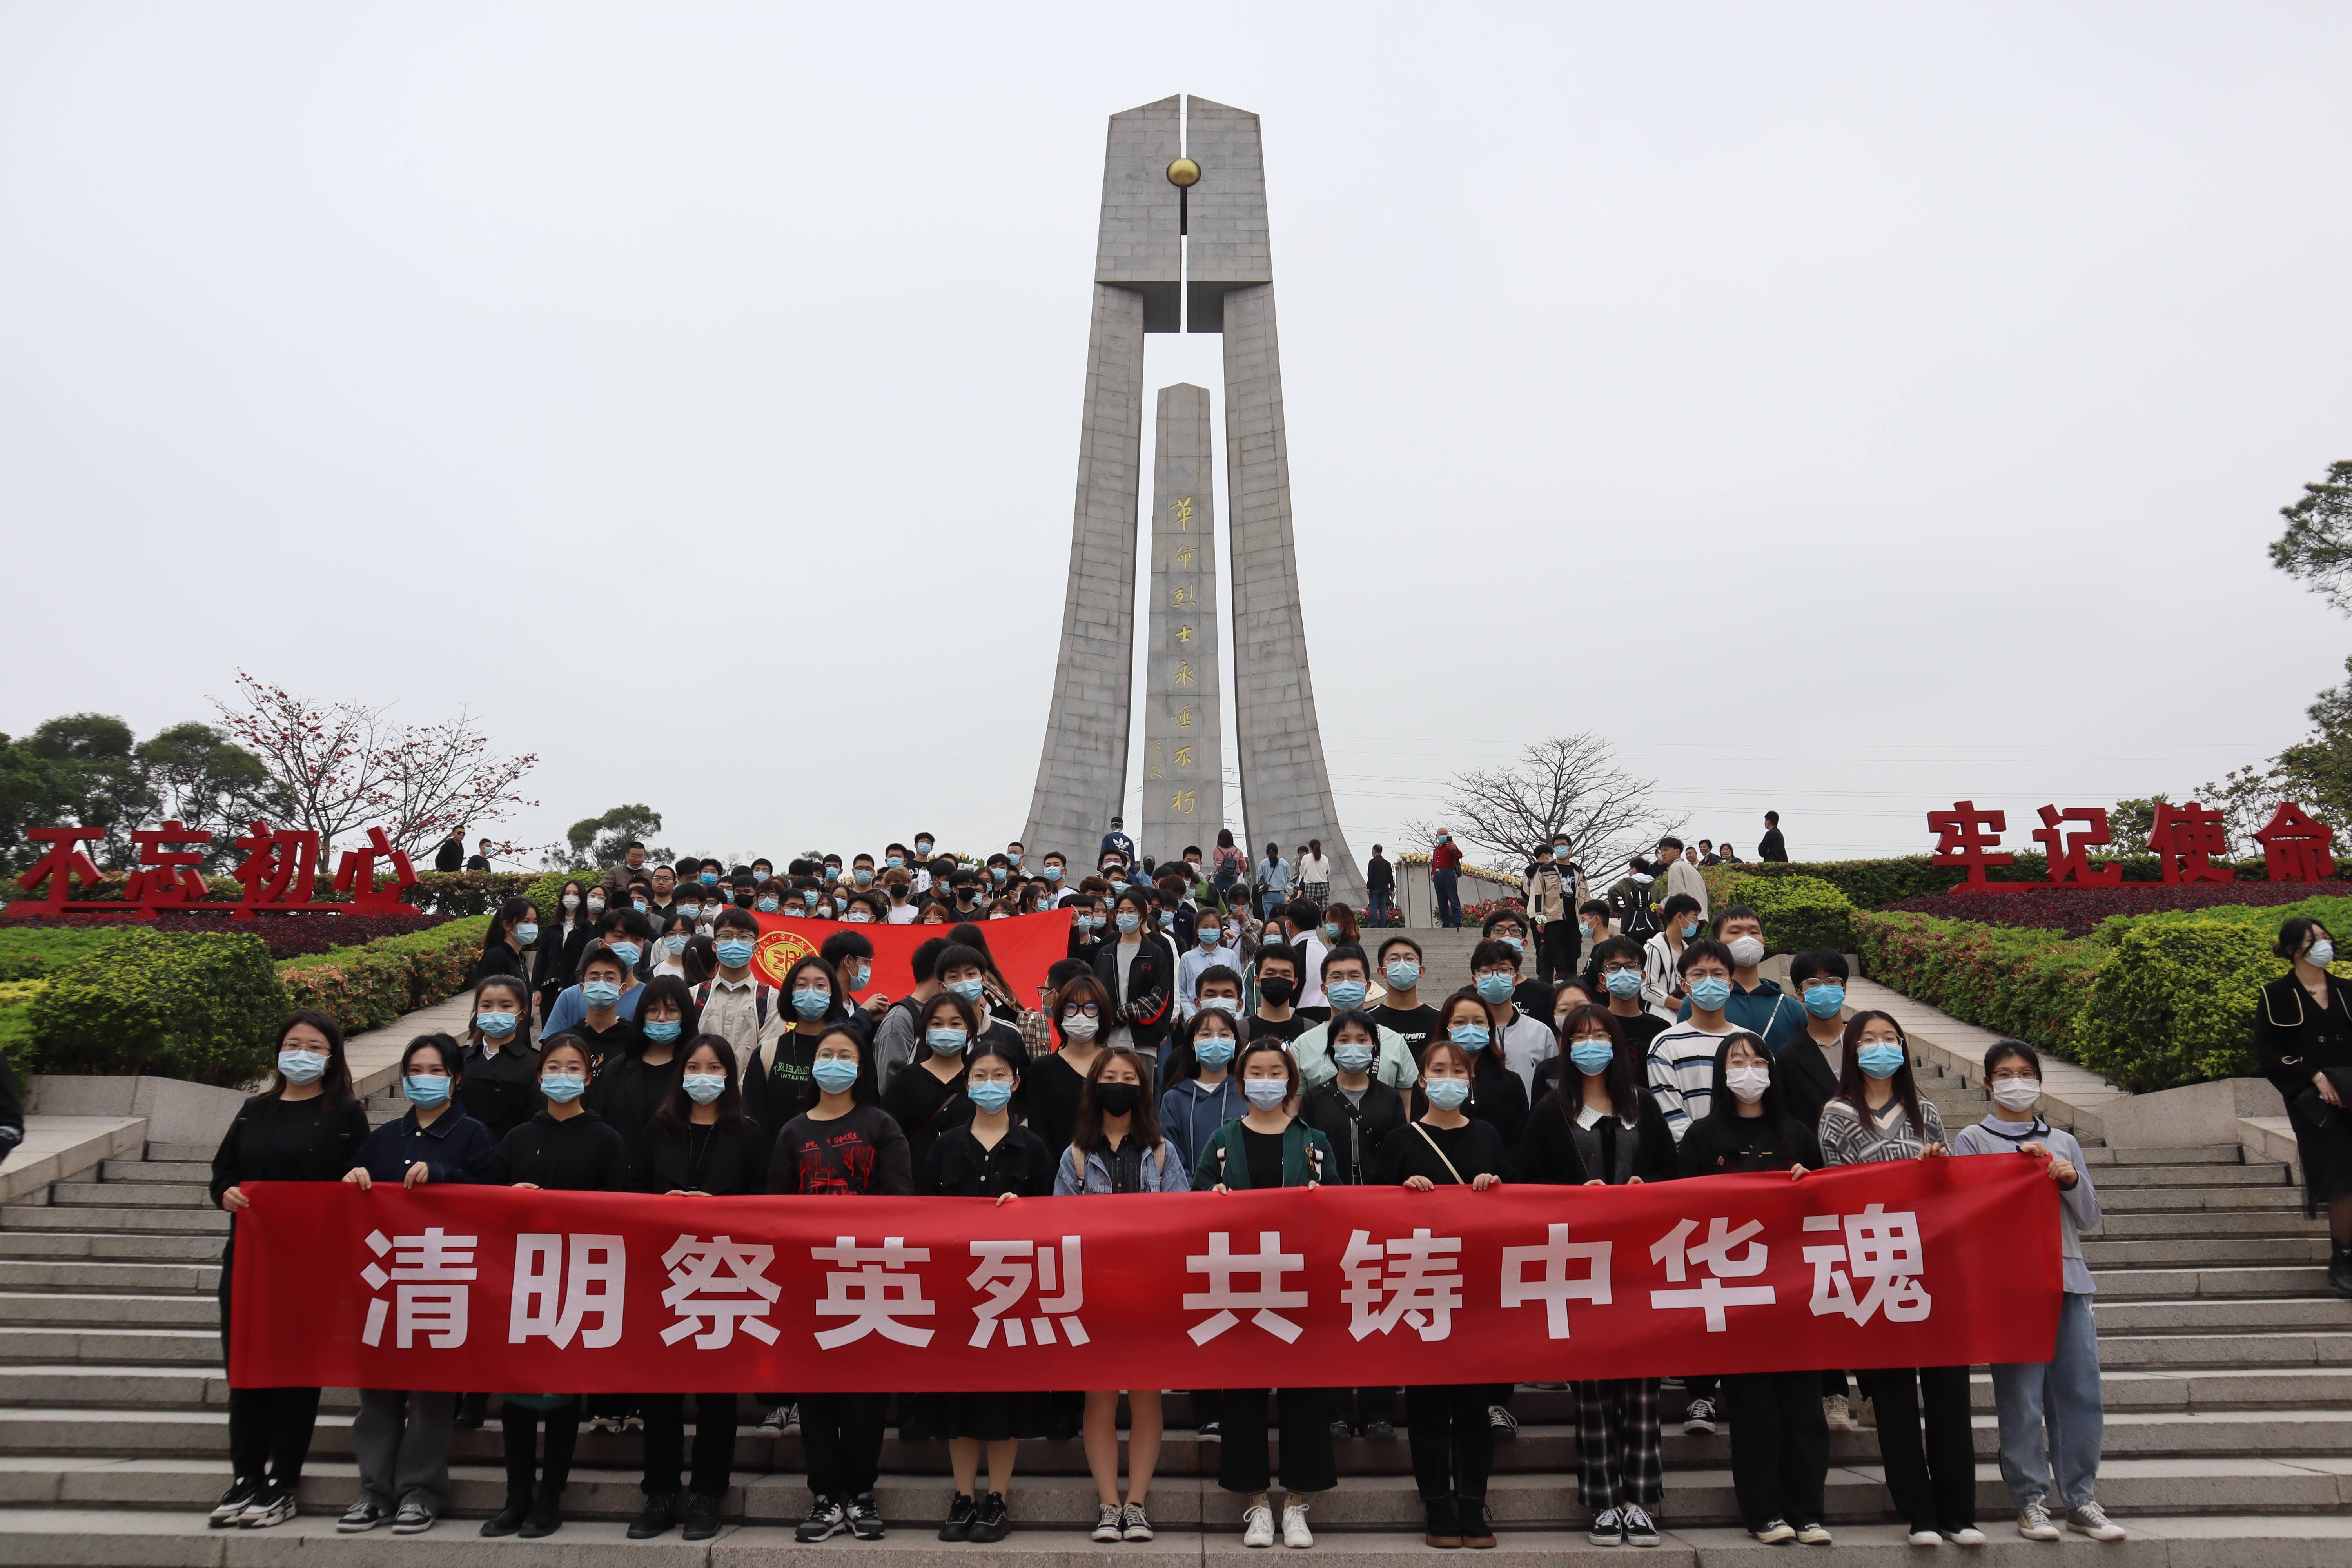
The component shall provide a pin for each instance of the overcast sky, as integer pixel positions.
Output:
(1841, 408)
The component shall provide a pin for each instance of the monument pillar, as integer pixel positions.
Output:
(1183, 727)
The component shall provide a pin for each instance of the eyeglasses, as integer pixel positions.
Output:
(1081, 1010)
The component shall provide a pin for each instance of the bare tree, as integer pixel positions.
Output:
(1567, 783)
(340, 768)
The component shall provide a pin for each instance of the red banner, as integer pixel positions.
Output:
(1925, 1263)
(1025, 947)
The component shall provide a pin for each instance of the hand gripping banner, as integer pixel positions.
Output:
(1924, 1263)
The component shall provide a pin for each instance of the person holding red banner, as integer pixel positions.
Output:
(1270, 1147)
(306, 1121)
(1057, 1082)
(1879, 1116)
(1117, 1147)
(843, 1145)
(776, 1080)
(927, 1096)
(1779, 1437)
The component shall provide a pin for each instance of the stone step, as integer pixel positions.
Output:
(2127, 1176)
(2280, 1198)
(63, 1308)
(2180, 1224)
(1855, 1493)
(2221, 1316)
(183, 1221)
(66, 1274)
(159, 1346)
(2201, 1154)
(2239, 1351)
(2129, 1284)
(151, 1170)
(2102, 1255)
(107, 1244)
(182, 1154)
(111, 1194)
(91, 1538)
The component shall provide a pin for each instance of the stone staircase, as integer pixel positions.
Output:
(2229, 1393)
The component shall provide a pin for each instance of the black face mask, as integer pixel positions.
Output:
(1278, 992)
(1118, 1098)
(742, 900)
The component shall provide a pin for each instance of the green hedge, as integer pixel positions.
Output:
(28, 953)
(368, 986)
(2335, 913)
(198, 1006)
(1799, 912)
(2024, 981)
(16, 1025)
(2173, 1003)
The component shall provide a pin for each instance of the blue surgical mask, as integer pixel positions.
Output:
(1353, 1056)
(1403, 974)
(996, 873)
(1330, 930)
(765, 906)
(945, 1042)
(1225, 1005)
(1346, 995)
(895, 861)
(662, 1031)
(1127, 921)
(735, 953)
(1213, 1051)
(1690, 929)
(1206, 936)
(970, 990)
(1469, 1037)
(599, 994)
(1708, 995)
(864, 875)
(703, 1087)
(1448, 1093)
(563, 1087)
(834, 1074)
(628, 952)
(710, 878)
(1625, 982)
(991, 1094)
(1266, 1093)
(674, 944)
(1052, 873)
(1880, 1060)
(855, 979)
(808, 898)
(1825, 1001)
(812, 1003)
(426, 1089)
(526, 932)
(497, 1025)
(1494, 988)
(1519, 943)
(1591, 1057)
(922, 846)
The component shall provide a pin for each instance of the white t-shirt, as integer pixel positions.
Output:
(901, 915)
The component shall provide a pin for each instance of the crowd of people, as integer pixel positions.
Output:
(1200, 1033)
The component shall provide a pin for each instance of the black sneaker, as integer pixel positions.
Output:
(865, 1519)
(1502, 1424)
(1378, 1429)
(232, 1502)
(1208, 1428)
(1342, 1429)
(473, 1409)
(824, 1521)
(959, 1524)
(660, 1515)
(992, 1523)
(508, 1520)
(272, 1505)
(2340, 1270)
(362, 1515)
(701, 1517)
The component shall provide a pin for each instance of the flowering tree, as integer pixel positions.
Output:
(340, 767)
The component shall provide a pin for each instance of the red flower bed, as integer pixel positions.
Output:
(286, 936)
(2077, 911)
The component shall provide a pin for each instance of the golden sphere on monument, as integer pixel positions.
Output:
(1183, 172)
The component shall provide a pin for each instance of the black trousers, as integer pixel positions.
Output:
(1935, 1487)
(1360, 1407)
(519, 1426)
(1242, 1463)
(1780, 1446)
(1452, 1446)
(268, 1428)
(1563, 942)
(842, 1434)
(714, 1443)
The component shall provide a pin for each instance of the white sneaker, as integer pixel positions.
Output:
(1775, 1531)
(1698, 1420)
(778, 1417)
(1607, 1530)
(1641, 1529)
(1836, 1415)
(1925, 1538)
(1294, 1526)
(1107, 1520)
(1257, 1526)
(2091, 1519)
(2033, 1523)
(1967, 1536)
(1814, 1535)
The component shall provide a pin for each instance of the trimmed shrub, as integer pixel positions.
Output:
(16, 1025)
(197, 1006)
(2335, 913)
(2174, 1003)
(27, 953)
(368, 986)
(1799, 912)
(2024, 981)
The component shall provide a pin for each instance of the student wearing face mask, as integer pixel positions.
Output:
(698, 1143)
(1056, 1084)
(1498, 1096)
(2302, 1044)
(1347, 981)
(1356, 1113)
(898, 1038)
(734, 1003)
(1450, 1425)
(1117, 1147)
(1137, 968)
(1270, 1147)
(1209, 949)
(986, 1155)
(498, 1080)
(1681, 1059)
(306, 1126)
(1203, 1094)
(555, 956)
(507, 947)
(1779, 1442)
(776, 1080)
(2060, 1397)
(1276, 973)
(624, 934)
(1521, 1008)
(1303, 922)
(566, 1147)
(401, 1437)
(1879, 1116)
(669, 948)
(927, 1098)
(1401, 1011)
(1661, 954)
(1756, 1004)
(841, 1144)
(631, 1085)
(1567, 997)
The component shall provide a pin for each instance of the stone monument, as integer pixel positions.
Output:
(1184, 246)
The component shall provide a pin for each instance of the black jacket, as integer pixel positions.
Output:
(1724, 1142)
(1806, 1082)
(2294, 1037)
(548, 971)
(1771, 847)
(11, 1112)
(1378, 875)
(278, 1140)
(500, 1091)
(578, 1155)
(1354, 1132)
(1548, 1153)
(498, 958)
(456, 1150)
(725, 1162)
(959, 1167)
(451, 856)
(627, 1091)
(1150, 992)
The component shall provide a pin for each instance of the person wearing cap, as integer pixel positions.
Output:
(1116, 842)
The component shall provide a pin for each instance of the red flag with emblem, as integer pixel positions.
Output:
(1024, 946)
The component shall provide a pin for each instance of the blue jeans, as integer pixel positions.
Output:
(1376, 906)
(2064, 1396)
(1449, 899)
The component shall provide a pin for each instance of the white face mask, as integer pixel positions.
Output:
(571, 900)
(1748, 1084)
(1081, 1027)
(1747, 952)
(2016, 1093)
